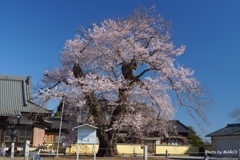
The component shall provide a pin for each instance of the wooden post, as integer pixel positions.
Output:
(12, 150)
(26, 149)
(94, 151)
(145, 152)
(77, 151)
(166, 153)
(3, 149)
(206, 156)
(134, 153)
(239, 154)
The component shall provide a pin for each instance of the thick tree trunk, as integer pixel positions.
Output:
(107, 143)
(107, 139)
(107, 150)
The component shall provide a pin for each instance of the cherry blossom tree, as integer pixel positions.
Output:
(130, 65)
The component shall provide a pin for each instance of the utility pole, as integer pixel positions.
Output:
(60, 127)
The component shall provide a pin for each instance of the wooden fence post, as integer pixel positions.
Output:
(145, 152)
(166, 153)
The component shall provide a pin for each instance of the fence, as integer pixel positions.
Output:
(173, 152)
(177, 150)
(123, 149)
(129, 149)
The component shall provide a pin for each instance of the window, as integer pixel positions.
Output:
(24, 133)
(62, 138)
(173, 142)
(0, 134)
(7, 135)
(10, 133)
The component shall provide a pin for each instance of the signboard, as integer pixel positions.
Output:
(86, 135)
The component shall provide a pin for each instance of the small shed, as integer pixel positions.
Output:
(86, 134)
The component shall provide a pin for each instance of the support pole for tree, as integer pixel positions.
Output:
(60, 127)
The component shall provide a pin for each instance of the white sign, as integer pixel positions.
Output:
(86, 135)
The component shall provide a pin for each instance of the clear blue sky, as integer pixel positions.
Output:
(32, 33)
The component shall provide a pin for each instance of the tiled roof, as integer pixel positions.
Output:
(180, 128)
(15, 96)
(229, 130)
(56, 123)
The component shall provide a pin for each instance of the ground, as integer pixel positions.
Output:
(87, 158)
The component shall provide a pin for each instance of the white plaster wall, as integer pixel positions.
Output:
(226, 144)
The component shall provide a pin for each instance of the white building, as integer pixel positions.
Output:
(226, 141)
